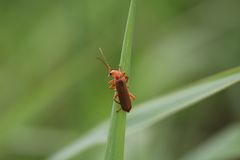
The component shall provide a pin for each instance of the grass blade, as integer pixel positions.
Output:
(155, 110)
(116, 135)
(225, 145)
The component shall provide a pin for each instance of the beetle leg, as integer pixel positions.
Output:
(132, 96)
(118, 109)
(126, 78)
(115, 98)
(112, 84)
(112, 87)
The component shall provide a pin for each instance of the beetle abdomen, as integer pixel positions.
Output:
(123, 95)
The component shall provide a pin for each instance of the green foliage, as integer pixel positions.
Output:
(53, 90)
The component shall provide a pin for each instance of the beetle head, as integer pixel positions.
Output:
(116, 74)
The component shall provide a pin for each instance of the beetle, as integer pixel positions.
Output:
(119, 84)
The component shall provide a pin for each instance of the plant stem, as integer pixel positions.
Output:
(116, 135)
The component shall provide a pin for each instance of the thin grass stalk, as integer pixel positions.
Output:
(116, 135)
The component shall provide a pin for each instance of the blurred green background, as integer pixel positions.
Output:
(53, 89)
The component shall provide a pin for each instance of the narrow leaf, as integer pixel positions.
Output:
(116, 135)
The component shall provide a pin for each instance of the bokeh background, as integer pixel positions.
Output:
(53, 89)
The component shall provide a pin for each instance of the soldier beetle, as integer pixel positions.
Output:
(119, 84)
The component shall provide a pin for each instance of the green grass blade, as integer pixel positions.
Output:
(126, 53)
(225, 145)
(155, 110)
(116, 135)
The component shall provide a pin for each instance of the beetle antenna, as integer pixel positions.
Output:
(103, 59)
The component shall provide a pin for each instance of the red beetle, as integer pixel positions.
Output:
(119, 83)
